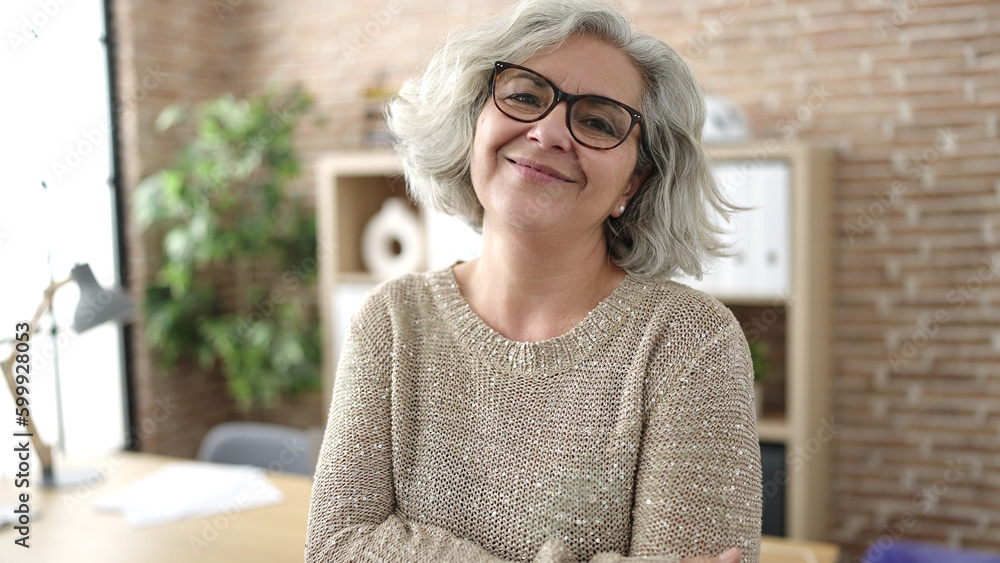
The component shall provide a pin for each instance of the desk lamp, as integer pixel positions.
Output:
(96, 307)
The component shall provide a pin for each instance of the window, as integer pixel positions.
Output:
(57, 131)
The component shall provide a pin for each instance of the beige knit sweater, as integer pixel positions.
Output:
(631, 435)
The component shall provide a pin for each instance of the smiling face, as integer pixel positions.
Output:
(535, 177)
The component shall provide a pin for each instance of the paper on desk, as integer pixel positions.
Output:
(183, 490)
(10, 518)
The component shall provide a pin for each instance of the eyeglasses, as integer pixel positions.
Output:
(594, 121)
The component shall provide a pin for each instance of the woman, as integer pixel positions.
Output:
(556, 399)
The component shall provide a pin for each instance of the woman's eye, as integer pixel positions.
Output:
(596, 125)
(600, 125)
(525, 98)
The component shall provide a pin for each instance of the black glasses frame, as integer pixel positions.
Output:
(570, 99)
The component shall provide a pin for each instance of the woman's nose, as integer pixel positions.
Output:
(552, 132)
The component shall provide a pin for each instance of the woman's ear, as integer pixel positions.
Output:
(634, 184)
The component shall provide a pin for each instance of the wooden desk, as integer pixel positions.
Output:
(66, 531)
(781, 550)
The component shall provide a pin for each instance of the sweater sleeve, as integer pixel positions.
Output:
(352, 513)
(698, 483)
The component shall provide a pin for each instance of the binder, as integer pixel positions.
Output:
(775, 248)
(759, 263)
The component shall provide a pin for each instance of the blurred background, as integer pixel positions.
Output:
(904, 94)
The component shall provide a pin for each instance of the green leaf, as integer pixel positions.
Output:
(146, 203)
(179, 245)
(760, 358)
(170, 116)
(262, 336)
(288, 354)
(177, 277)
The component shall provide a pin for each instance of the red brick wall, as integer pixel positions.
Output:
(909, 94)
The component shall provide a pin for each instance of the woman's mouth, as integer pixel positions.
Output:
(537, 171)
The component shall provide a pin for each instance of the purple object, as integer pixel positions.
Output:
(911, 552)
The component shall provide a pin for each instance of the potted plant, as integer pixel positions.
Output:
(224, 214)
(760, 358)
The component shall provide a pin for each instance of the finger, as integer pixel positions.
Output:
(731, 555)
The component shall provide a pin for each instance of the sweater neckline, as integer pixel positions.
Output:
(542, 357)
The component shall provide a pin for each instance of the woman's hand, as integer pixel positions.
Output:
(731, 555)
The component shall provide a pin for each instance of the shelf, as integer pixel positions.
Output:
(357, 278)
(773, 429)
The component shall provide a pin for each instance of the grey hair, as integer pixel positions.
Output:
(666, 227)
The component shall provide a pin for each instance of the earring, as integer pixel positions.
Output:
(621, 209)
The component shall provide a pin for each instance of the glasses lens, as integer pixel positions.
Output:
(599, 123)
(522, 94)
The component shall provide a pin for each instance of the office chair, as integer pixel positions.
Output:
(269, 446)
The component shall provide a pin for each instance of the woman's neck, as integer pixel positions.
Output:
(532, 287)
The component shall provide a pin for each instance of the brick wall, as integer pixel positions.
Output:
(907, 92)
